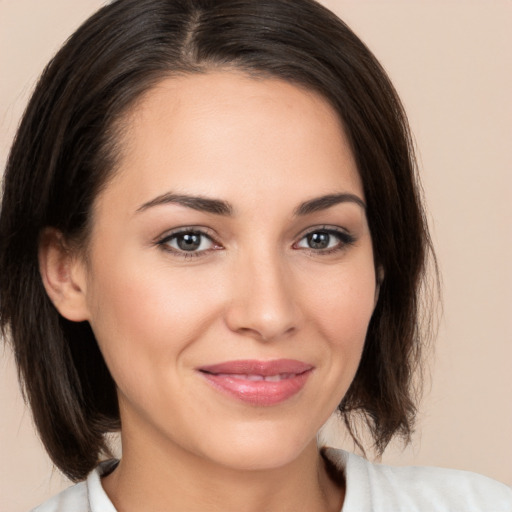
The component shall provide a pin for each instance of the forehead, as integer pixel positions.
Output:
(218, 132)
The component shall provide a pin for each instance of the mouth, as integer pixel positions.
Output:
(259, 383)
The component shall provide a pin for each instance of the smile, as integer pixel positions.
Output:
(259, 383)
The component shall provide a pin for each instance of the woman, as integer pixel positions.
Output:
(212, 238)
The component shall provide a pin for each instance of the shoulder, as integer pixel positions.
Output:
(378, 487)
(74, 498)
(87, 496)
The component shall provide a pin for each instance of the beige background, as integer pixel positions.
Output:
(451, 63)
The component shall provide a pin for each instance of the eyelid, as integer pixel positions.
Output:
(203, 230)
(162, 240)
(329, 228)
(345, 236)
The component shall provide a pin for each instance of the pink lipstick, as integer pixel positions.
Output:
(262, 383)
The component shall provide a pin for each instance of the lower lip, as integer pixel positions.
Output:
(261, 393)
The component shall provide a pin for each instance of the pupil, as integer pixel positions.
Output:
(189, 242)
(318, 240)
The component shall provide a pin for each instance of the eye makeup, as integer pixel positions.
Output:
(193, 241)
(188, 242)
(325, 240)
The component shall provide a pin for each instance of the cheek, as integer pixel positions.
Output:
(147, 320)
(343, 302)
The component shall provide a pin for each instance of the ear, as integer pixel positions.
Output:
(379, 276)
(63, 274)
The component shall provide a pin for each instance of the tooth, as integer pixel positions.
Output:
(254, 377)
(273, 378)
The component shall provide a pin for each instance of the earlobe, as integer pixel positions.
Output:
(63, 276)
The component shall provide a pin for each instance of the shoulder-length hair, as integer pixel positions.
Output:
(66, 150)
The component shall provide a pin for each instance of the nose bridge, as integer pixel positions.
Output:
(262, 302)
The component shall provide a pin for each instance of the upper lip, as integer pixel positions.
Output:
(255, 367)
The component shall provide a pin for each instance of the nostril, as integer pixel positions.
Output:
(266, 333)
(262, 304)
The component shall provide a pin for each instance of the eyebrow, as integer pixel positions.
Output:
(203, 204)
(324, 202)
(221, 207)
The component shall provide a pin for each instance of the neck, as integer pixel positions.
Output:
(173, 479)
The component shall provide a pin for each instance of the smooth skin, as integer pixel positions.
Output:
(234, 229)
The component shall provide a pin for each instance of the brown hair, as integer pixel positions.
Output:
(65, 151)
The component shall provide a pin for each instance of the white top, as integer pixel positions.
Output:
(369, 488)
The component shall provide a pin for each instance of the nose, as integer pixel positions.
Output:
(262, 302)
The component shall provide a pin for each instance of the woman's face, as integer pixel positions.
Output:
(230, 277)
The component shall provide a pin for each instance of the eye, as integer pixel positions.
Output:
(325, 240)
(189, 241)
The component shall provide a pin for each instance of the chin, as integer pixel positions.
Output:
(261, 449)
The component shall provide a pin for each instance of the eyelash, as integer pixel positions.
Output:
(164, 243)
(344, 240)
